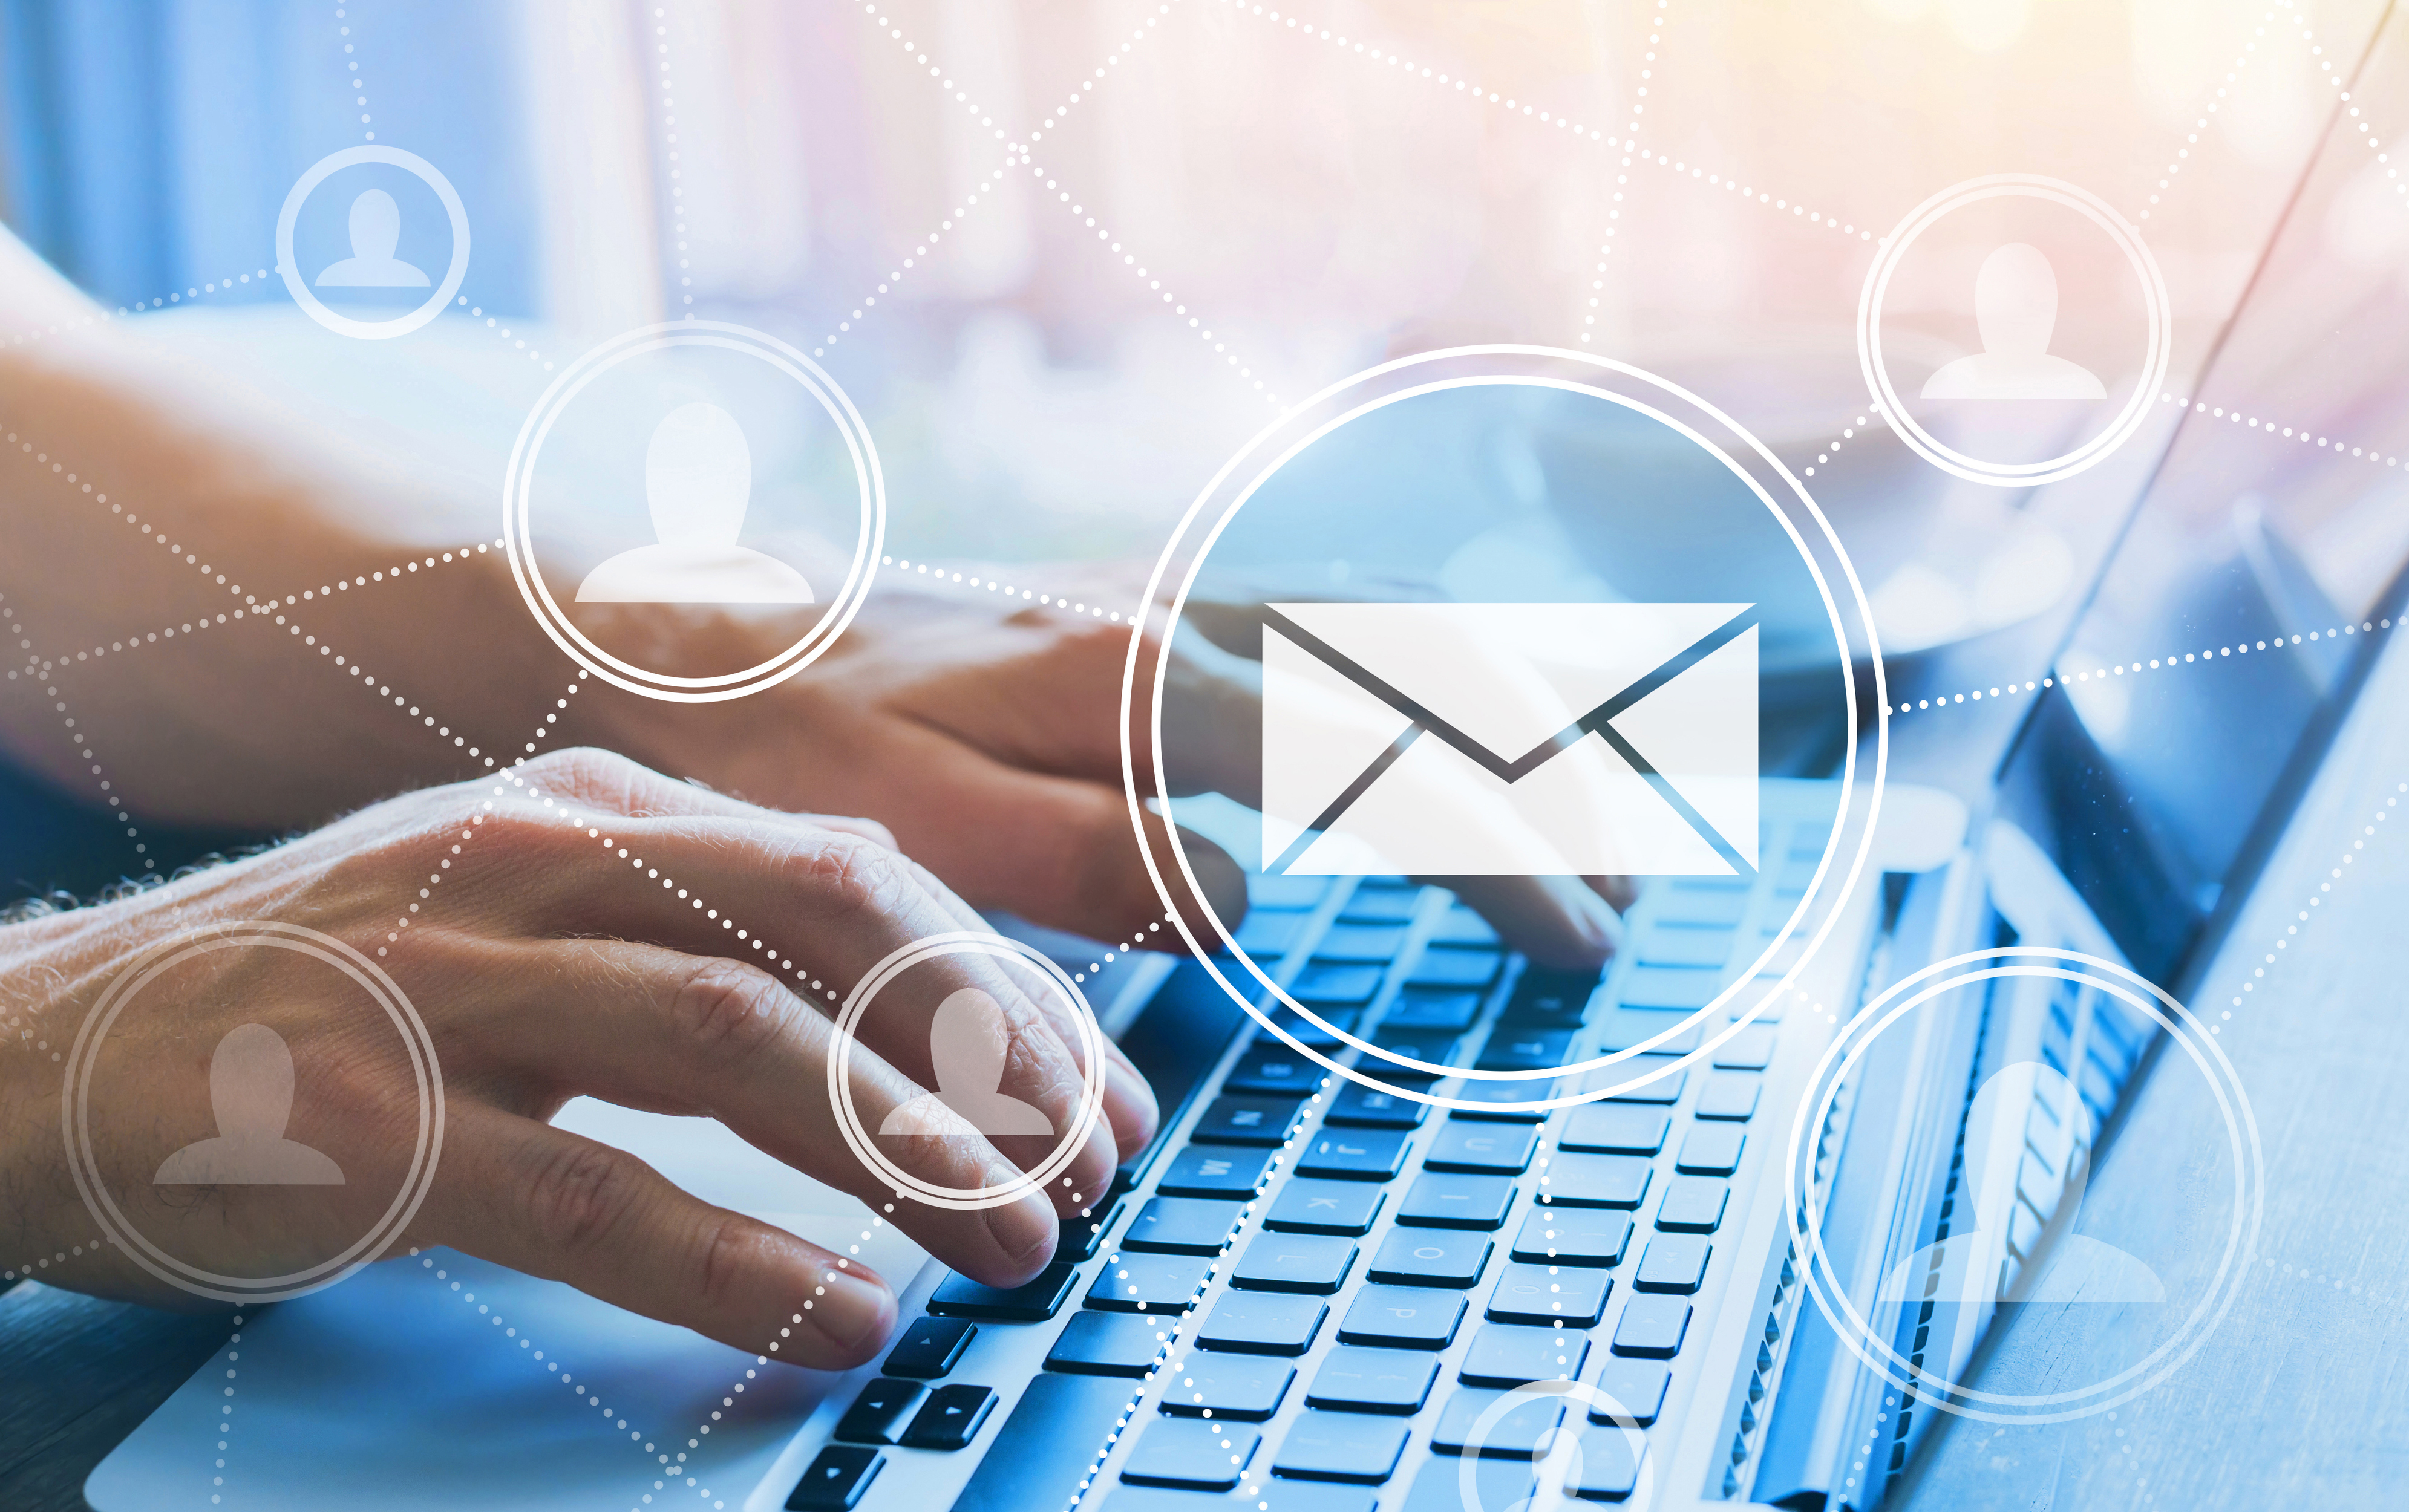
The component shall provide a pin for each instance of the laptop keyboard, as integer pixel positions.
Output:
(1391, 1268)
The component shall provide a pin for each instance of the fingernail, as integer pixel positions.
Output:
(853, 1310)
(1025, 1230)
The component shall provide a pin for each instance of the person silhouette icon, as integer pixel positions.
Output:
(251, 1094)
(2015, 309)
(697, 483)
(376, 231)
(1974, 1266)
(967, 1044)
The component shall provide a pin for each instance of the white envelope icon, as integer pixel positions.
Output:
(1438, 739)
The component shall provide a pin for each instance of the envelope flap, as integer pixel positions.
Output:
(1508, 676)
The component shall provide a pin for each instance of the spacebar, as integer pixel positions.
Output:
(1053, 1435)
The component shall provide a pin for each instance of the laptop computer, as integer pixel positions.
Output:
(1307, 1294)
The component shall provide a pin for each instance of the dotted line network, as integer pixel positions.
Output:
(889, 25)
(2167, 663)
(170, 297)
(2317, 899)
(895, 276)
(669, 149)
(494, 325)
(2201, 407)
(1848, 434)
(226, 1408)
(26, 1269)
(82, 743)
(1630, 144)
(2192, 139)
(357, 85)
(1030, 595)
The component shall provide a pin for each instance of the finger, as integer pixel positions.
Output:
(1557, 921)
(555, 1204)
(1618, 892)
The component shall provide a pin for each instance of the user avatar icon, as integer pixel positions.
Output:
(250, 1093)
(2015, 309)
(376, 231)
(697, 483)
(967, 1043)
(2037, 1108)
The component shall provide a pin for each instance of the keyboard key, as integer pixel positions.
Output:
(1483, 1149)
(1729, 1094)
(1346, 986)
(950, 1418)
(1267, 933)
(1355, 1154)
(1083, 1237)
(1349, 942)
(1544, 998)
(1616, 1129)
(1520, 1432)
(836, 1480)
(1572, 1237)
(1298, 1028)
(1750, 1049)
(1266, 1121)
(1420, 1008)
(1573, 1295)
(1313, 1496)
(1262, 1323)
(1711, 1150)
(1340, 1446)
(1216, 1170)
(1033, 1301)
(1192, 1455)
(1461, 926)
(1341, 1208)
(1376, 903)
(1373, 1381)
(1402, 1318)
(1445, 1200)
(1680, 989)
(1503, 1354)
(1148, 1282)
(1673, 1262)
(880, 1413)
(1496, 1485)
(1449, 966)
(1304, 1263)
(1430, 1258)
(1229, 1385)
(1110, 1344)
(1652, 1327)
(1182, 1226)
(1609, 1465)
(1676, 944)
(1271, 1068)
(929, 1347)
(1636, 1388)
(1595, 1181)
(1664, 1088)
(1358, 1106)
(1434, 1046)
(1718, 905)
(1692, 1204)
(1537, 1089)
(1280, 890)
(1516, 1048)
(1049, 1439)
(1659, 1029)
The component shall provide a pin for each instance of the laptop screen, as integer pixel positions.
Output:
(2259, 577)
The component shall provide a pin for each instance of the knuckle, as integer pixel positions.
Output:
(727, 1009)
(579, 1195)
(851, 874)
(724, 1253)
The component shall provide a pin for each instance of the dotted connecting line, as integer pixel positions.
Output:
(2191, 140)
(670, 147)
(1012, 156)
(2375, 455)
(26, 1269)
(170, 297)
(225, 1412)
(2167, 663)
(494, 325)
(1847, 435)
(2317, 899)
(82, 740)
(354, 84)
(1006, 589)
(2334, 78)
(1630, 143)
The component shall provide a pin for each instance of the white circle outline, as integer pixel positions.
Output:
(869, 480)
(1842, 812)
(1803, 1208)
(85, 1166)
(2160, 341)
(371, 330)
(1592, 1397)
(966, 1198)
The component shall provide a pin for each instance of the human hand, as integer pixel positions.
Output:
(545, 966)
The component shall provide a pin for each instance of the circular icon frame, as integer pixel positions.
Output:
(1490, 365)
(1803, 1207)
(371, 330)
(848, 1118)
(83, 1163)
(778, 355)
(2127, 239)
